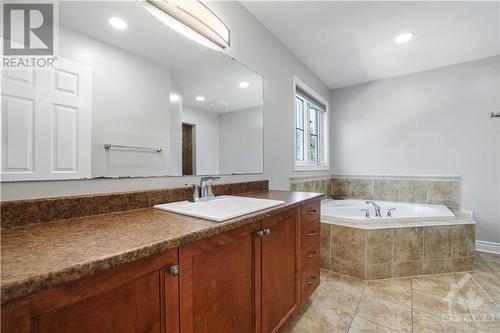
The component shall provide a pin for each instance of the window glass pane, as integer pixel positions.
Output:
(299, 136)
(314, 156)
(313, 120)
(300, 113)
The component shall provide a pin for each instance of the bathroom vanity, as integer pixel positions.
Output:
(146, 270)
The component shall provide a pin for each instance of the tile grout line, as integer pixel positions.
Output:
(497, 274)
(357, 306)
(466, 303)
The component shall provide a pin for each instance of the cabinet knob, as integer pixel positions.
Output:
(174, 270)
(260, 233)
(267, 231)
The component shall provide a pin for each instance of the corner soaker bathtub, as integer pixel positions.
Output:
(417, 239)
(352, 211)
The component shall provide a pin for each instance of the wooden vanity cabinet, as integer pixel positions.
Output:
(136, 297)
(251, 279)
(244, 280)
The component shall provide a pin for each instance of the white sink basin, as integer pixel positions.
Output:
(221, 208)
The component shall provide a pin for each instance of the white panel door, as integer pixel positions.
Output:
(46, 123)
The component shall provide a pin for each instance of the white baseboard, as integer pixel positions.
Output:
(491, 247)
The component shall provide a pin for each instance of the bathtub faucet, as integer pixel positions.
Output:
(377, 208)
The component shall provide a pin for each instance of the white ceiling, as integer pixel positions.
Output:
(197, 69)
(346, 43)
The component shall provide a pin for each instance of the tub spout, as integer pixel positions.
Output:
(377, 208)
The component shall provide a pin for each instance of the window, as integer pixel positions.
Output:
(311, 129)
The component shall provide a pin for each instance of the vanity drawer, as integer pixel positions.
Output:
(309, 234)
(309, 276)
(310, 255)
(310, 212)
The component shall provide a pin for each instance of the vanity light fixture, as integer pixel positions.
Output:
(404, 37)
(200, 98)
(243, 84)
(118, 23)
(192, 19)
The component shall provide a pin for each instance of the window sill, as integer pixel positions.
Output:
(311, 167)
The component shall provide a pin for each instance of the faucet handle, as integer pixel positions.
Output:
(367, 212)
(389, 211)
(196, 192)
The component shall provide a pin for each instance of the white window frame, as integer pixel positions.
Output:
(306, 164)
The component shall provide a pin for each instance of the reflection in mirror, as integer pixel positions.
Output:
(163, 104)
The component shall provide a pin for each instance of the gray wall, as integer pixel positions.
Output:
(241, 149)
(257, 48)
(429, 123)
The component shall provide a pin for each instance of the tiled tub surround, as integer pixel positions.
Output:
(322, 184)
(417, 189)
(374, 251)
(378, 253)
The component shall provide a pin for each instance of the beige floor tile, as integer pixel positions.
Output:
(397, 291)
(343, 282)
(480, 265)
(385, 313)
(360, 325)
(425, 323)
(487, 280)
(477, 298)
(437, 305)
(315, 318)
(489, 256)
(492, 260)
(440, 285)
(329, 295)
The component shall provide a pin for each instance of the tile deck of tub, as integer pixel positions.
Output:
(455, 302)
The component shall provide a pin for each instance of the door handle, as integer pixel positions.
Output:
(311, 212)
(312, 233)
(311, 254)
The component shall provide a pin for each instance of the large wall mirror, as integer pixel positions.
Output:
(140, 100)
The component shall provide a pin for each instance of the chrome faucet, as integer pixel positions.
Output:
(377, 207)
(203, 192)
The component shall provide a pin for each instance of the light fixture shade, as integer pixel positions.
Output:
(198, 17)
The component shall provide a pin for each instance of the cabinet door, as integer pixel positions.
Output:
(220, 283)
(132, 307)
(280, 287)
(129, 298)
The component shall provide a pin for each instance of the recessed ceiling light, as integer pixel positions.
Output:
(118, 23)
(243, 84)
(404, 37)
(200, 98)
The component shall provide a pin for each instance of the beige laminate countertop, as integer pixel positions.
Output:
(39, 256)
